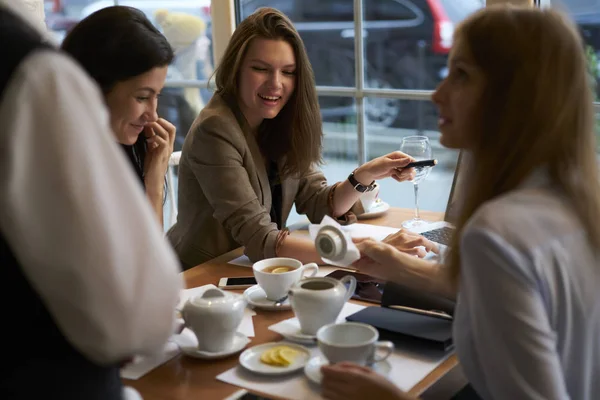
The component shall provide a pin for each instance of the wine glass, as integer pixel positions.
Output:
(419, 148)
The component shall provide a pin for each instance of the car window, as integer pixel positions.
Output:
(457, 10)
(577, 6)
(247, 7)
(388, 10)
(326, 10)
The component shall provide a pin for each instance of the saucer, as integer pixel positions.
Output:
(250, 359)
(290, 330)
(379, 208)
(188, 343)
(256, 297)
(313, 368)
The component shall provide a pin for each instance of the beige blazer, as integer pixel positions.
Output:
(224, 193)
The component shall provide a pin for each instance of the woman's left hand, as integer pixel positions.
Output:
(160, 137)
(385, 166)
(350, 381)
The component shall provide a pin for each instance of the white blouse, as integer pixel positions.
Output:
(76, 218)
(527, 321)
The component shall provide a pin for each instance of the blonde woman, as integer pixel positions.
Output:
(251, 153)
(525, 261)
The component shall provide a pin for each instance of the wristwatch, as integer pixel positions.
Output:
(359, 187)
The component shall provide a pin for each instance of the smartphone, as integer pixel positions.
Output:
(245, 395)
(241, 282)
(422, 163)
(367, 288)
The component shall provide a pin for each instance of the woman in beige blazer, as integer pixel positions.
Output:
(253, 150)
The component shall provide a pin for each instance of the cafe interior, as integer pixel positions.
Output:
(263, 329)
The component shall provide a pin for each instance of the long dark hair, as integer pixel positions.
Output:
(295, 135)
(113, 45)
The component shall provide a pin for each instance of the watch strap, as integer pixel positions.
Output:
(359, 187)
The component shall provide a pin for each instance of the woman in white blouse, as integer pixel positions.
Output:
(524, 266)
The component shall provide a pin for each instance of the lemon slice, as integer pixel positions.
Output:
(270, 357)
(266, 358)
(279, 356)
(280, 270)
(288, 355)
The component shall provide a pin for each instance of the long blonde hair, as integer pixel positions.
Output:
(295, 135)
(536, 110)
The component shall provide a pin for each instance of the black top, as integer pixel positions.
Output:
(276, 194)
(136, 154)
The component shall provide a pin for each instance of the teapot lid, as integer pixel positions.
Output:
(214, 297)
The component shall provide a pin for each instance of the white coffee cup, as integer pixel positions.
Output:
(367, 199)
(277, 285)
(352, 341)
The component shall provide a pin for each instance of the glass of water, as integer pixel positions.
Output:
(419, 148)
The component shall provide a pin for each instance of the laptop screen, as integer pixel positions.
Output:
(453, 206)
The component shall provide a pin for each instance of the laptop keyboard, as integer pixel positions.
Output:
(441, 235)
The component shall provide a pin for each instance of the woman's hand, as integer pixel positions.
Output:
(382, 260)
(160, 139)
(346, 381)
(385, 166)
(411, 243)
(408, 242)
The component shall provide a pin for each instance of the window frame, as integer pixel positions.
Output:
(226, 15)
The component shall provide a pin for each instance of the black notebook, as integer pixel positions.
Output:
(407, 328)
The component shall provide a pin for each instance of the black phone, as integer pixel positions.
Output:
(421, 164)
(240, 282)
(245, 395)
(367, 288)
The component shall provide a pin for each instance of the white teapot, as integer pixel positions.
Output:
(214, 316)
(318, 301)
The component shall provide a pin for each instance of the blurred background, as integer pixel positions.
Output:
(374, 88)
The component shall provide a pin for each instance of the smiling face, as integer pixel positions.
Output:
(267, 79)
(458, 99)
(132, 104)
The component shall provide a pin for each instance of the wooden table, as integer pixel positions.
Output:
(186, 378)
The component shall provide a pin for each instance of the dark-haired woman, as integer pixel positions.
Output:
(128, 57)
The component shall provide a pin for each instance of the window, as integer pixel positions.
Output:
(586, 14)
(457, 10)
(325, 11)
(405, 45)
(389, 10)
(187, 26)
(246, 7)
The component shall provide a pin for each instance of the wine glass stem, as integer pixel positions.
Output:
(416, 186)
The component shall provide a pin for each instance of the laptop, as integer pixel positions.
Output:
(441, 232)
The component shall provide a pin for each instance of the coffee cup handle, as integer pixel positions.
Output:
(386, 346)
(352, 281)
(312, 266)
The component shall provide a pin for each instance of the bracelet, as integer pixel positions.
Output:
(359, 187)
